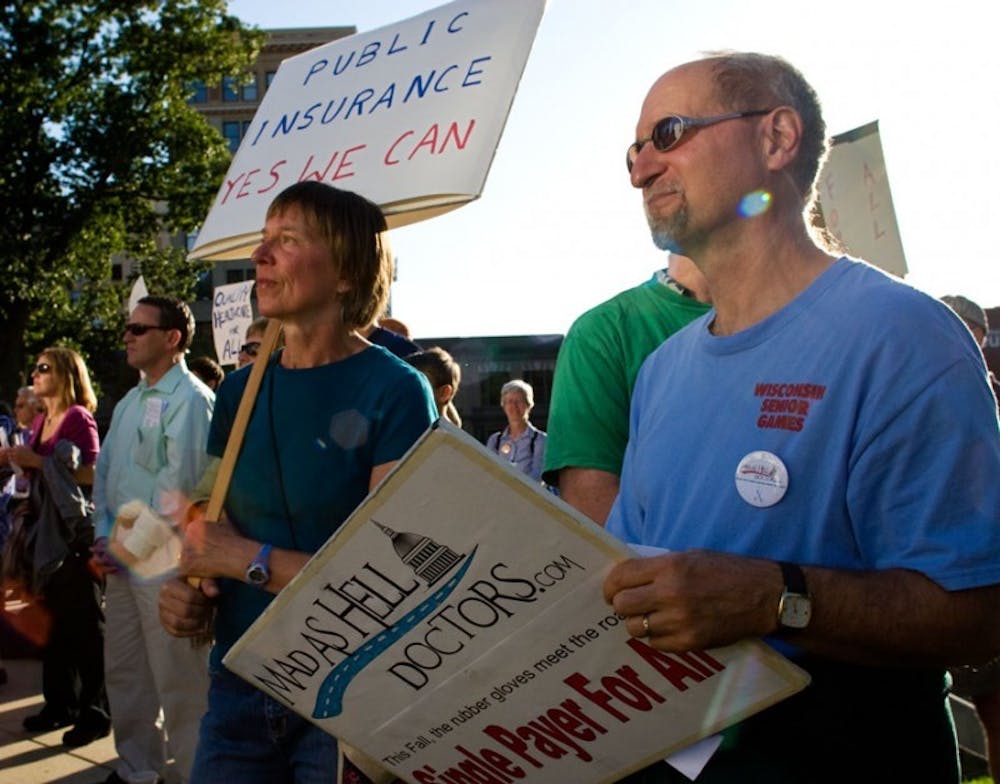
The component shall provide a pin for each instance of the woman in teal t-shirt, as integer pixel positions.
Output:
(333, 416)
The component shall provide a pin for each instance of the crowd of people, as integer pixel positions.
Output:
(813, 444)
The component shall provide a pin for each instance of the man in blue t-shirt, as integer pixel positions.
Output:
(820, 459)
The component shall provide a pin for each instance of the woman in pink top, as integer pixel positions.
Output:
(56, 560)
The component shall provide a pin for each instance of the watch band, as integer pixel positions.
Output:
(794, 577)
(795, 604)
(259, 572)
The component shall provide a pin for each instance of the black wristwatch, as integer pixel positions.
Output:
(795, 605)
(258, 573)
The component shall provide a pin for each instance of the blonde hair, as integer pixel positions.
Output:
(72, 377)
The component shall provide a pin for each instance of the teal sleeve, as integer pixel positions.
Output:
(407, 412)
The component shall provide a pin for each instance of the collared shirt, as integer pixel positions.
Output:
(155, 447)
(527, 451)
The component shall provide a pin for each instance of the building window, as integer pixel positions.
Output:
(230, 89)
(199, 92)
(203, 288)
(232, 130)
(268, 78)
(239, 275)
(249, 90)
(235, 90)
(116, 272)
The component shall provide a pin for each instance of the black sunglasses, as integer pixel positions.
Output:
(42, 367)
(142, 329)
(669, 131)
(250, 349)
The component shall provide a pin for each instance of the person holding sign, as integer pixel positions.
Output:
(334, 414)
(820, 471)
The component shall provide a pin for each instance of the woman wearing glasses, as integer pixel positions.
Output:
(254, 336)
(55, 549)
(333, 416)
(520, 442)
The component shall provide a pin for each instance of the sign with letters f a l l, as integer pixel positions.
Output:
(856, 202)
(408, 116)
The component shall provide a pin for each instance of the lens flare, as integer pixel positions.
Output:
(755, 203)
(349, 429)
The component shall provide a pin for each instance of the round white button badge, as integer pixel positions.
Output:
(761, 479)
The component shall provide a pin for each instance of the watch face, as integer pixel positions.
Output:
(795, 610)
(257, 575)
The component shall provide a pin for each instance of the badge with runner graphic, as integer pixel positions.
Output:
(761, 479)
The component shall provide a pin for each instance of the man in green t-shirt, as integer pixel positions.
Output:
(595, 372)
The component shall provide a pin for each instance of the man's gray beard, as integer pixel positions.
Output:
(665, 230)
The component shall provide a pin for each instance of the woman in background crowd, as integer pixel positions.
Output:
(53, 552)
(27, 406)
(520, 442)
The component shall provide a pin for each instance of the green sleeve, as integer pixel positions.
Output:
(588, 411)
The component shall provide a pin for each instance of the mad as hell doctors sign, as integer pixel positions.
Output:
(408, 115)
(454, 630)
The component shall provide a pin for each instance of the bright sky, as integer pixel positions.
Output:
(558, 227)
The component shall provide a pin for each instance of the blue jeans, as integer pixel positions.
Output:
(249, 738)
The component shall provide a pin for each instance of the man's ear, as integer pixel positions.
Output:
(174, 337)
(782, 138)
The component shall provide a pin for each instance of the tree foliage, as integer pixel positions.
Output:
(101, 152)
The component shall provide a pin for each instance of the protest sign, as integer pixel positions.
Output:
(454, 629)
(856, 202)
(138, 291)
(232, 313)
(408, 115)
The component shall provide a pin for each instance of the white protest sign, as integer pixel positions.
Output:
(139, 291)
(454, 629)
(856, 202)
(408, 116)
(232, 313)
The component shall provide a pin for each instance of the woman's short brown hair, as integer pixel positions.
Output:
(354, 229)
